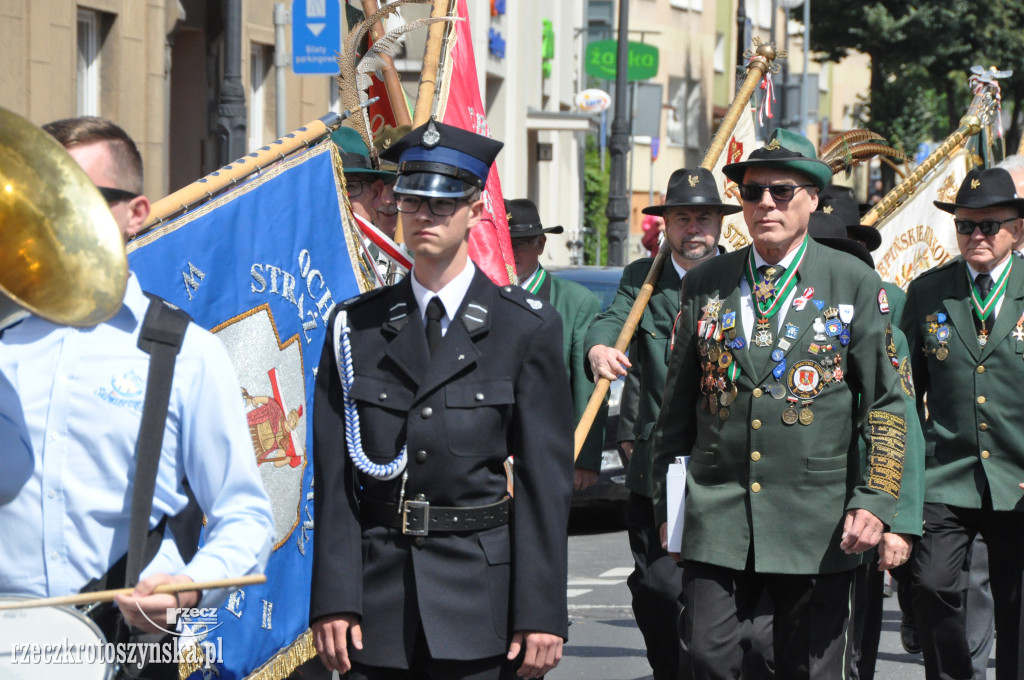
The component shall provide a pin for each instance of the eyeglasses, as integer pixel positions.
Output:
(987, 227)
(779, 192)
(112, 195)
(354, 187)
(439, 206)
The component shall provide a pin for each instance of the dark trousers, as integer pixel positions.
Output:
(941, 565)
(809, 624)
(425, 667)
(866, 619)
(656, 583)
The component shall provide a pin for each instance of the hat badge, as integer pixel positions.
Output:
(431, 137)
(975, 183)
(827, 210)
(773, 145)
(693, 179)
(508, 216)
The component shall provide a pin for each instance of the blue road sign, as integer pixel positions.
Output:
(316, 37)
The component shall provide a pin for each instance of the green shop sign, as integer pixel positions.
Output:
(602, 55)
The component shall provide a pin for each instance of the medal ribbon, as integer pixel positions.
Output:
(983, 309)
(536, 281)
(768, 310)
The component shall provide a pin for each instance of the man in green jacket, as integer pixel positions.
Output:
(577, 306)
(965, 325)
(693, 214)
(836, 225)
(779, 364)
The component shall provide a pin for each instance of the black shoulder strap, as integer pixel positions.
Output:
(161, 335)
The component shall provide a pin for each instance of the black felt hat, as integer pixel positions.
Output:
(985, 189)
(436, 159)
(692, 189)
(839, 201)
(829, 230)
(524, 219)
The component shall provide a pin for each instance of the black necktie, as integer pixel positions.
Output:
(984, 283)
(435, 312)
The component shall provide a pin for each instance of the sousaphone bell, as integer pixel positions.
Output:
(61, 252)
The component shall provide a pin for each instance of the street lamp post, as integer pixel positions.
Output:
(788, 5)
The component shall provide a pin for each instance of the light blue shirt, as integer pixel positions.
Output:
(71, 402)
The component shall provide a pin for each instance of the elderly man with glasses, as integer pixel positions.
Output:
(965, 325)
(779, 364)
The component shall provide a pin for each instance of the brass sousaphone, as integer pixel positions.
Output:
(61, 252)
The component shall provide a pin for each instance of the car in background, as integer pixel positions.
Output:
(611, 482)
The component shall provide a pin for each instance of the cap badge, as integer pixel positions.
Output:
(827, 210)
(431, 137)
(975, 183)
(694, 180)
(773, 145)
(508, 216)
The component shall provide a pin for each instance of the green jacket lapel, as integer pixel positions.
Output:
(958, 308)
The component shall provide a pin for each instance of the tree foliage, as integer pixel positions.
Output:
(595, 200)
(921, 53)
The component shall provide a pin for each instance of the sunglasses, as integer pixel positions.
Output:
(779, 192)
(112, 195)
(987, 227)
(439, 206)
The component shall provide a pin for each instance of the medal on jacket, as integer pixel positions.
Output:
(983, 308)
(789, 416)
(806, 416)
(768, 295)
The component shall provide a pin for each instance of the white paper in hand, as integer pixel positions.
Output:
(675, 496)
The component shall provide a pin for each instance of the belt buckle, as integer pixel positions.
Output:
(419, 513)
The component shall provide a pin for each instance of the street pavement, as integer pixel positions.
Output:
(604, 642)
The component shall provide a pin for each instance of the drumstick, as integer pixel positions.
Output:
(108, 595)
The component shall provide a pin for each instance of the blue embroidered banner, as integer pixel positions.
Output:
(262, 267)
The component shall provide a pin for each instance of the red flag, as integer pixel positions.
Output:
(489, 244)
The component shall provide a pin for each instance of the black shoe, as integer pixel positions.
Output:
(908, 635)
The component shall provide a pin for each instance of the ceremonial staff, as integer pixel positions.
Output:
(207, 187)
(978, 114)
(757, 68)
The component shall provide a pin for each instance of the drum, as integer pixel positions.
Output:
(52, 642)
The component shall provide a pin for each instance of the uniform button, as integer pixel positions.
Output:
(756, 424)
(983, 427)
(419, 541)
(479, 396)
(985, 454)
(758, 392)
(981, 400)
(421, 456)
(426, 412)
(382, 396)
(981, 369)
(755, 456)
(755, 487)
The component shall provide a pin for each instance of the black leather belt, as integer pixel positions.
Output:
(419, 518)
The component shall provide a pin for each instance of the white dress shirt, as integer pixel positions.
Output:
(72, 400)
(451, 295)
(747, 310)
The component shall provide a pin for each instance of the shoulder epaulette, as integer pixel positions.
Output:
(363, 297)
(523, 299)
(940, 268)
